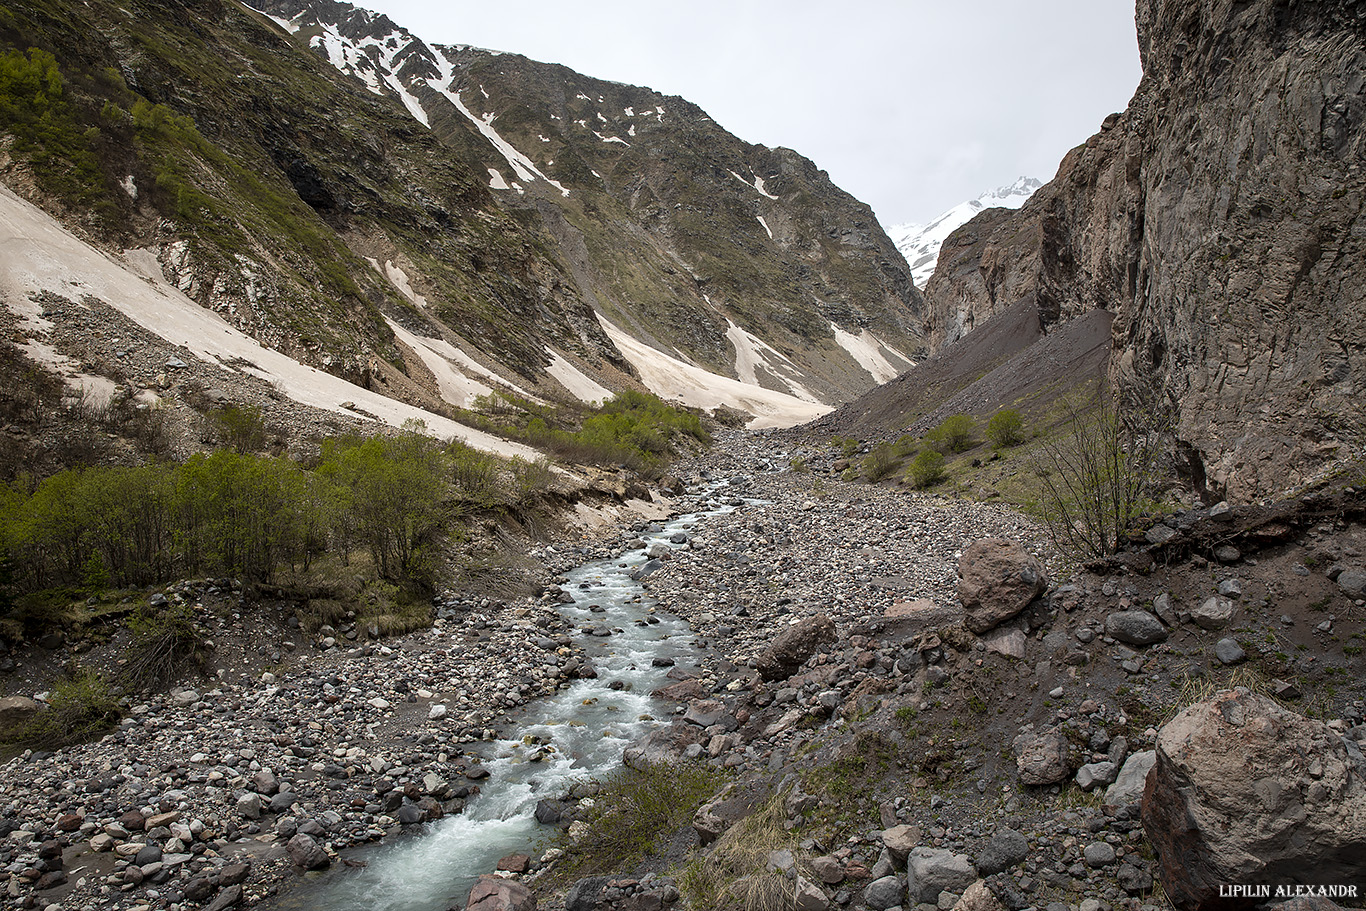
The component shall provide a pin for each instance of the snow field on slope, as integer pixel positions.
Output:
(38, 255)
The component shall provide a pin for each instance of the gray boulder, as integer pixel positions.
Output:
(1245, 791)
(1213, 613)
(997, 580)
(930, 871)
(305, 852)
(1128, 786)
(1095, 774)
(1135, 627)
(1005, 849)
(1041, 759)
(16, 711)
(1228, 651)
(884, 893)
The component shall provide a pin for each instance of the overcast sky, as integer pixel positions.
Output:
(912, 105)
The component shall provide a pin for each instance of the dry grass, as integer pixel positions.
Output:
(737, 872)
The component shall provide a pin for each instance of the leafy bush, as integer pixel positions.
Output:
(1006, 428)
(240, 426)
(880, 462)
(34, 108)
(387, 493)
(927, 469)
(954, 434)
(80, 706)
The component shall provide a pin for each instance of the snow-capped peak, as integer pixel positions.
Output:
(920, 243)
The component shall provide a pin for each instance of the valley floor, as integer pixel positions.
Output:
(899, 721)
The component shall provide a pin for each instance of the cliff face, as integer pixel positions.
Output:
(1219, 219)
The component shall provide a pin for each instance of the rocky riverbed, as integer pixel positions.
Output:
(832, 670)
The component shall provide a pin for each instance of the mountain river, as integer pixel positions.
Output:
(587, 724)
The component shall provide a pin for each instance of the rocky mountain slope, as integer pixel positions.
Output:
(920, 244)
(431, 260)
(1218, 221)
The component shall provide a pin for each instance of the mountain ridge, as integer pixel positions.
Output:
(920, 243)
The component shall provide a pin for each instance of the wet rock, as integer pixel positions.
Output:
(304, 851)
(493, 893)
(998, 579)
(548, 812)
(1245, 791)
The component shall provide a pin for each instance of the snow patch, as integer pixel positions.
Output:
(757, 185)
(766, 227)
(871, 354)
(456, 388)
(399, 279)
(496, 181)
(751, 356)
(671, 378)
(37, 254)
(572, 379)
(526, 171)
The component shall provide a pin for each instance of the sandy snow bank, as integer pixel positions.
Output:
(37, 254)
(670, 378)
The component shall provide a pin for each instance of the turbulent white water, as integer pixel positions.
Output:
(588, 725)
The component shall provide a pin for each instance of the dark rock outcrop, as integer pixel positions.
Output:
(1217, 219)
(1245, 791)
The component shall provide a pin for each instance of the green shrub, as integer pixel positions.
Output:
(1006, 428)
(880, 462)
(240, 426)
(954, 434)
(80, 706)
(1099, 475)
(388, 496)
(926, 470)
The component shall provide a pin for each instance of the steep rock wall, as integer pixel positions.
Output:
(1219, 218)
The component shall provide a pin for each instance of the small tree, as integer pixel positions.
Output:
(927, 469)
(1006, 428)
(1098, 476)
(954, 434)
